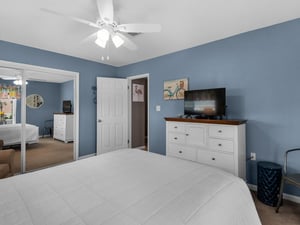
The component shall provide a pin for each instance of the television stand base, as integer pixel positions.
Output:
(204, 117)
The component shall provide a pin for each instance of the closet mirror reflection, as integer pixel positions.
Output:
(27, 112)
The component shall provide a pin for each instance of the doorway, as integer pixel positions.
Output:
(139, 86)
(42, 75)
(122, 113)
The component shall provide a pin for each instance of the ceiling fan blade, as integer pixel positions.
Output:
(139, 28)
(127, 42)
(71, 17)
(106, 10)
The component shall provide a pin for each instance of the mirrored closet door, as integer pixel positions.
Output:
(29, 99)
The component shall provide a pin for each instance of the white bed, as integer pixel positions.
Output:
(11, 134)
(127, 187)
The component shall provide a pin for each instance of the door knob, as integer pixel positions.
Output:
(99, 121)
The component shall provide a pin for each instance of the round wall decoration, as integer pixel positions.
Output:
(34, 101)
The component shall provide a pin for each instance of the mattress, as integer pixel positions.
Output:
(127, 187)
(11, 134)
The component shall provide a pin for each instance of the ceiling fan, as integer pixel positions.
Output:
(108, 28)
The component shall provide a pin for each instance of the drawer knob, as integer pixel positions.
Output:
(186, 134)
(220, 131)
(219, 145)
(175, 138)
(213, 158)
(175, 127)
(180, 152)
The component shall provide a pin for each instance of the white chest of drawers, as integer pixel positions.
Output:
(216, 143)
(63, 127)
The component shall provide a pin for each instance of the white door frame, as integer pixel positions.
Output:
(68, 74)
(130, 78)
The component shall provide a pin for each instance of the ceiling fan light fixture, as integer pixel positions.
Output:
(102, 38)
(103, 34)
(19, 82)
(101, 43)
(117, 41)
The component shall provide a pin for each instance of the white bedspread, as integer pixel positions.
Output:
(127, 187)
(11, 133)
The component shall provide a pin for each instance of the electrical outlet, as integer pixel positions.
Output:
(157, 108)
(253, 156)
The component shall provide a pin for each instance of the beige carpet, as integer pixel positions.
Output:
(289, 213)
(47, 152)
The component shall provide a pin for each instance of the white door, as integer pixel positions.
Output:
(112, 114)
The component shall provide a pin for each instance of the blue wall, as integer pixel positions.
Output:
(260, 70)
(51, 95)
(88, 72)
(261, 73)
(67, 93)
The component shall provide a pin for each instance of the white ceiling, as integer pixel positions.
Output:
(185, 24)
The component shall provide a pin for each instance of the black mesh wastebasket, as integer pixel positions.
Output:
(268, 182)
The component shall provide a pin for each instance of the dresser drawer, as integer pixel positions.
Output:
(176, 137)
(220, 144)
(59, 130)
(175, 127)
(59, 126)
(59, 134)
(196, 135)
(182, 152)
(59, 121)
(221, 131)
(220, 160)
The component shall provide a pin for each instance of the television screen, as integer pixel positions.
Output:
(67, 106)
(205, 102)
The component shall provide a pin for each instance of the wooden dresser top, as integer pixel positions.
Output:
(226, 122)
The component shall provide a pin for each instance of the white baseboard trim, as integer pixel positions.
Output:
(292, 198)
(87, 156)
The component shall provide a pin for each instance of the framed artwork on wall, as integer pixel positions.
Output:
(138, 93)
(10, 91)
(174, 89)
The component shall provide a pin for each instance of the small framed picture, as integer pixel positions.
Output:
(174, 89)
(137, 92)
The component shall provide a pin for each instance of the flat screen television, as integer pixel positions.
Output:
(205, 103)
(67, 106)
